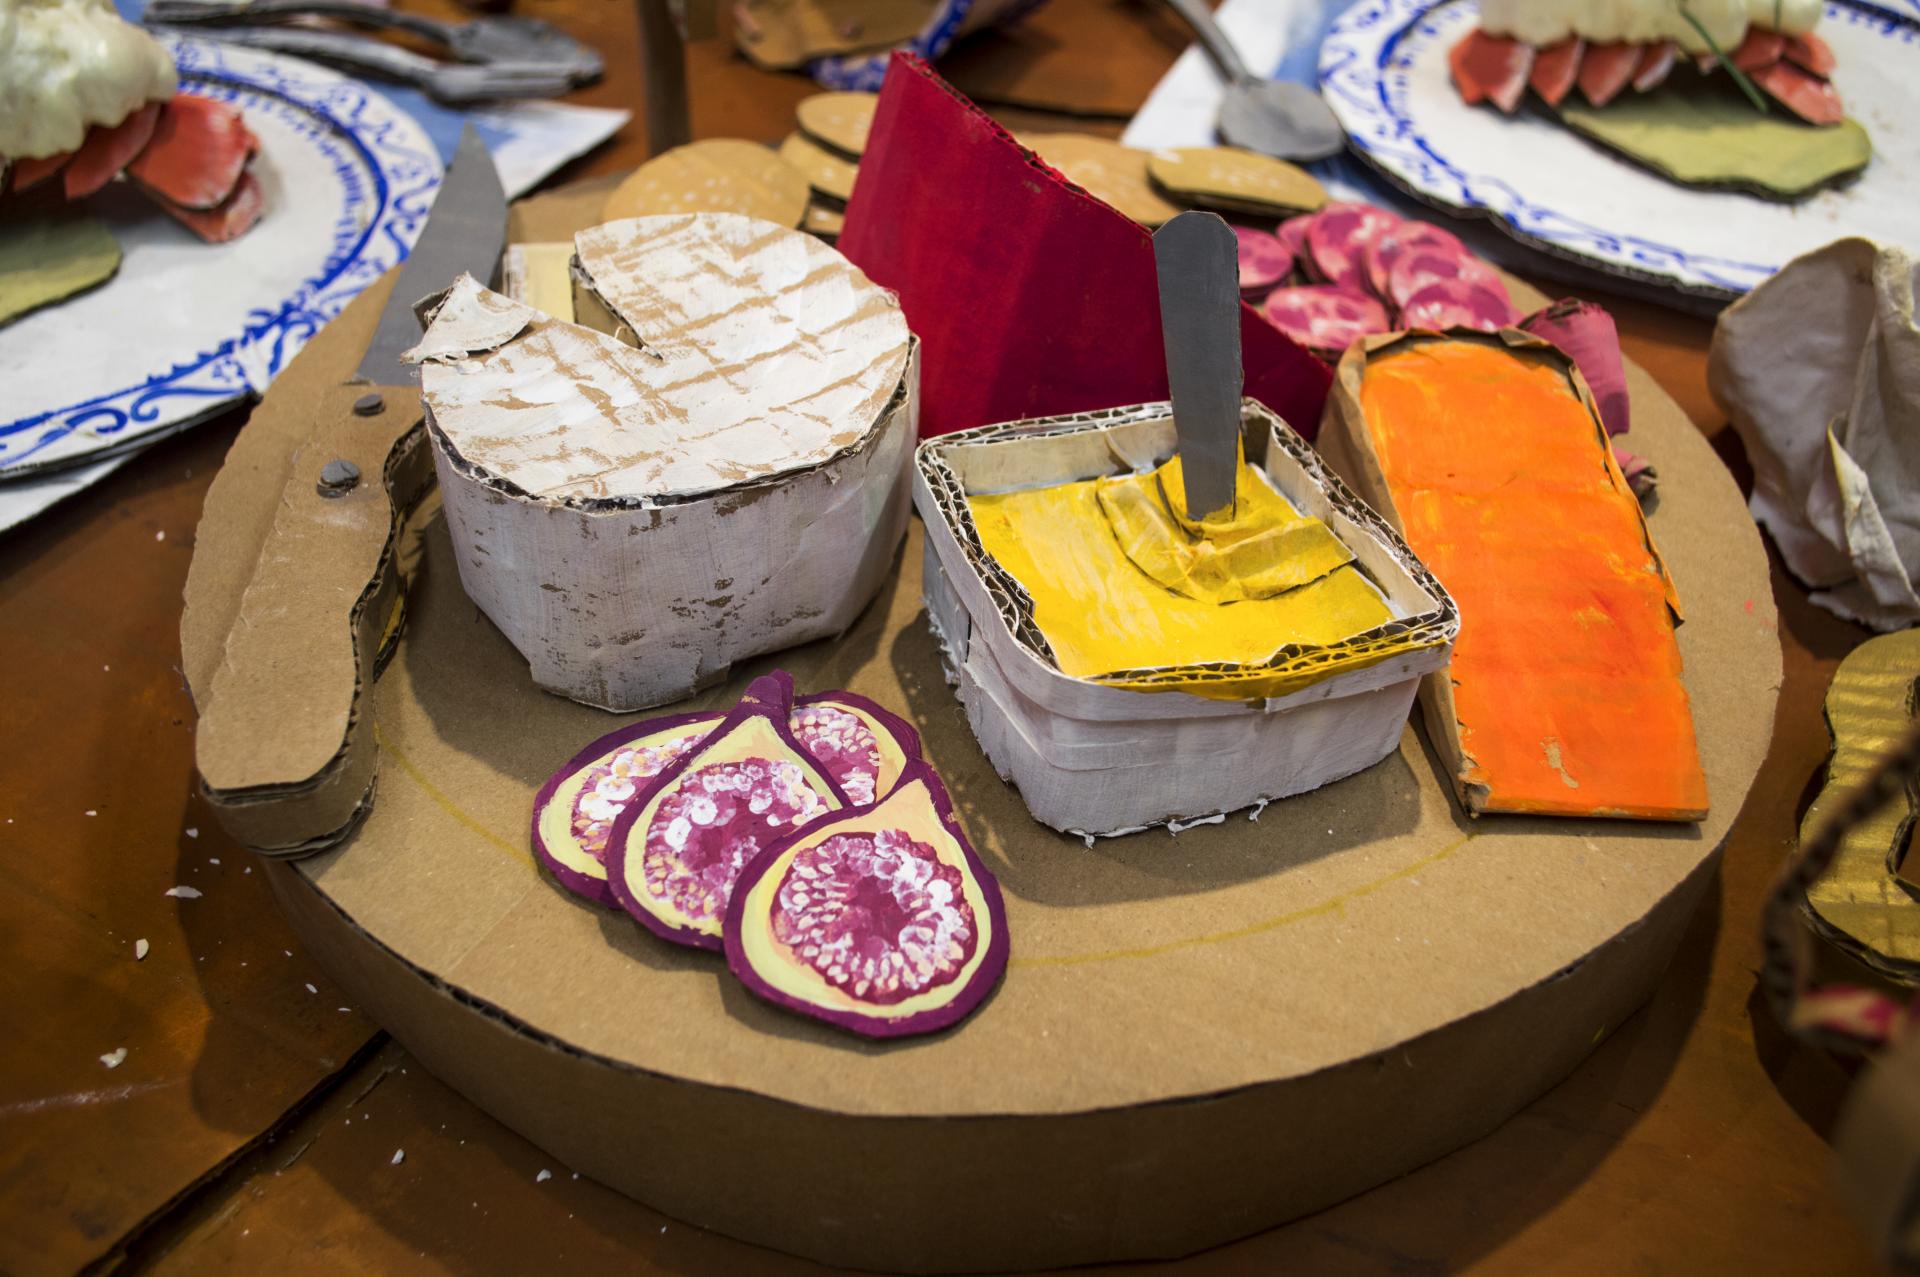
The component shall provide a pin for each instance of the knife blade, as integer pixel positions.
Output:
(1197, 261)
(466, 232)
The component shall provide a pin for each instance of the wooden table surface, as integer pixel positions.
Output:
(260, 1123)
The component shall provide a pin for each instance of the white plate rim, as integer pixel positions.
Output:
(406, 172)
(1353, 57)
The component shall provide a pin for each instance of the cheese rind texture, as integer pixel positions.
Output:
(761, 352)
(67, 65)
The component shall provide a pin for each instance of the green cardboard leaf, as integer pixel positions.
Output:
(44, 260)
(1700, 134)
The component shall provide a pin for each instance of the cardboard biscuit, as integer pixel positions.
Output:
(716, 175)
(823, 221)
(1108, 171)
(1238, 181)
(838, 121)
(825, 172)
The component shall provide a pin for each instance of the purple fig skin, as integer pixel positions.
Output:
(769, 697)
(963, 1001)
(596, 890)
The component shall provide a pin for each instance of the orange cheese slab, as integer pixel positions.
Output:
(1565, 695)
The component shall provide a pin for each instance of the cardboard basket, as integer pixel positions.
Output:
(1095, 759)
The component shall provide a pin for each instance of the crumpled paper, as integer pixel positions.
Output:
(1819, 371)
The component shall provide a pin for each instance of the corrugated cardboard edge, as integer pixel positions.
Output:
(696, 630)
(1077, 749)
(280, 794)
(945, 501)
(1152, 1181)
(1347, 445)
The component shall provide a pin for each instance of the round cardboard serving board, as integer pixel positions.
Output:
(1199, 1036)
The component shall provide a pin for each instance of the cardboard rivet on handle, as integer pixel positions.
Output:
(1197, 260)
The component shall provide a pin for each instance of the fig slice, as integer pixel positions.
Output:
(863, 747)
(674, 852)
(882, 921)
(575, 811)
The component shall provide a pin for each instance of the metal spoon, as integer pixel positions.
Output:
(1274, 117)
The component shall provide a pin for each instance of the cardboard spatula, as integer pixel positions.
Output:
(1198, 264)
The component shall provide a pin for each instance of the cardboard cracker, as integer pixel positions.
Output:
(824, 221)
(1110, 172)
(825, 172)
(1238, 181)
(838, 121)
(716, 175)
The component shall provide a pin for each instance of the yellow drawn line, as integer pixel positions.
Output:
(1334, 905)
(447, 804)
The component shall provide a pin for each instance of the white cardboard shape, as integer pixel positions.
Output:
(637, 520)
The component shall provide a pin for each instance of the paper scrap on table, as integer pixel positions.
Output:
(1818, 369)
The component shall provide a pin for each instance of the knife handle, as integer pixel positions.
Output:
(284, 745)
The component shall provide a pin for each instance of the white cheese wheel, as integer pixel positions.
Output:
(762, 351)
(66, 65)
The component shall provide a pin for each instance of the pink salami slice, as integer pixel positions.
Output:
(1338, 235)
(1325, 317)
(1414, 270)
(1456, 303)
(1292, 235)
(1380, 255)
(1264, 260)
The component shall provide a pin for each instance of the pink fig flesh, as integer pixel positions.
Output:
(882, 921)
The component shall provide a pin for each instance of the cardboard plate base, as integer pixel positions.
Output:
(1200, 1036)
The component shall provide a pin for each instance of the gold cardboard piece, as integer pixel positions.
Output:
(1868, 901)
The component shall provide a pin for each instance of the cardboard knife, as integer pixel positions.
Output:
(295, 593)
(1197, 261)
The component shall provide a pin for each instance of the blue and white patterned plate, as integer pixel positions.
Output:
(187, 328)
(1383, 69)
